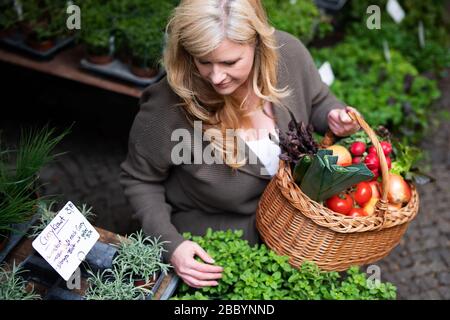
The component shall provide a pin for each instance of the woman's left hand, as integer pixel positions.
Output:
(340, 122)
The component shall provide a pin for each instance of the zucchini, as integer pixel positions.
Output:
(301, 167)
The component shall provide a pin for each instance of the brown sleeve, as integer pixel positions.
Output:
(322, 100)
(144, 171)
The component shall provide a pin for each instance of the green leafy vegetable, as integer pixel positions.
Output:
(325, 178)
(258, 273)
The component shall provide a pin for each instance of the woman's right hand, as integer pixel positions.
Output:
(194, 273)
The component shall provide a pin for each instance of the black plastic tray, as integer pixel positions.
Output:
(333, 5)
(17, 41)
(17, 235)
(98, 259)
(119, 70)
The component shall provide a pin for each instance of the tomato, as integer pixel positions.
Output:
(357, 212)
(363, 193)
(387, 147)
(376, 174)
(357, 148)
(341, 203)
(356, 160)
(372, 150)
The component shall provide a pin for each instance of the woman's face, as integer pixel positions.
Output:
(228, 67)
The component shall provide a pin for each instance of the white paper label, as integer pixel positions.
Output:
(326, 73)
(66, 241)
(395, 10)
(421, 35)
(19, 9)
(387, 51)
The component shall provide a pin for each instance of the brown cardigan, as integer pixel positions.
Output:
(171, 199)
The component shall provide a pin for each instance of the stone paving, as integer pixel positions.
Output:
(419, 266)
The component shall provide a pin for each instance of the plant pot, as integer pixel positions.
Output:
(143, 72)
(99, 59)
(139, 282)
(4, 238)
(5, 33)
(41, 46)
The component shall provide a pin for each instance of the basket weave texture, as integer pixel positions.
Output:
(292, 224)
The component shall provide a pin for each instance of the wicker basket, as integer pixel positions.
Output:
(292, 224)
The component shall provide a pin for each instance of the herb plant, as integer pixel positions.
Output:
(113, 284)
(252, 273)
(13, 286)
(47, 214)
(141, 256)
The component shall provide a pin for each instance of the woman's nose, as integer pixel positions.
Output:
(217, 75)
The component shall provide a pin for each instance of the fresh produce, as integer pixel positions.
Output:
(358, 148)
(357, 212)
(399, 191)
(344, 157)
(363, 193)
(341, 203)
(369, 207)
(301, 168)
(387, 148)
(326, 178)
(297, 142)
(372, 162)
(257, 273)
(375, 185)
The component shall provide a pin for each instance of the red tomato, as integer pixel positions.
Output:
(363, 193)
(341, 203)
(357, 212)
(372, 150)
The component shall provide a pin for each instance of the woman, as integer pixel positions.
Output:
(227, 68)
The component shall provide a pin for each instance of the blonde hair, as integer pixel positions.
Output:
(196, 28)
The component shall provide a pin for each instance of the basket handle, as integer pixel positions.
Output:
(381, 206)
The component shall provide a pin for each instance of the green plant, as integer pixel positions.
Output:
(113, 284)
(141, 256)
(403, 37)
(33, 153)
(300, 18)
(13, 286)
(47, 214)
(390, 93)
(256, 272)
(19, 173)
(8, 17)
(97, 27)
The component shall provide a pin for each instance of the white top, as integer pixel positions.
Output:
(267, 152)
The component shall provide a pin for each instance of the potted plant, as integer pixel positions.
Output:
(47, 214)
(8, 18)
(13, 286)
(145, 40)
(141, 257)
(96, 34)
(113, 284)
(19, 176)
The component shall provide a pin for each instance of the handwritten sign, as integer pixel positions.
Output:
(66, 241)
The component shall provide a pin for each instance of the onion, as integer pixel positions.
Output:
(399, 190)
